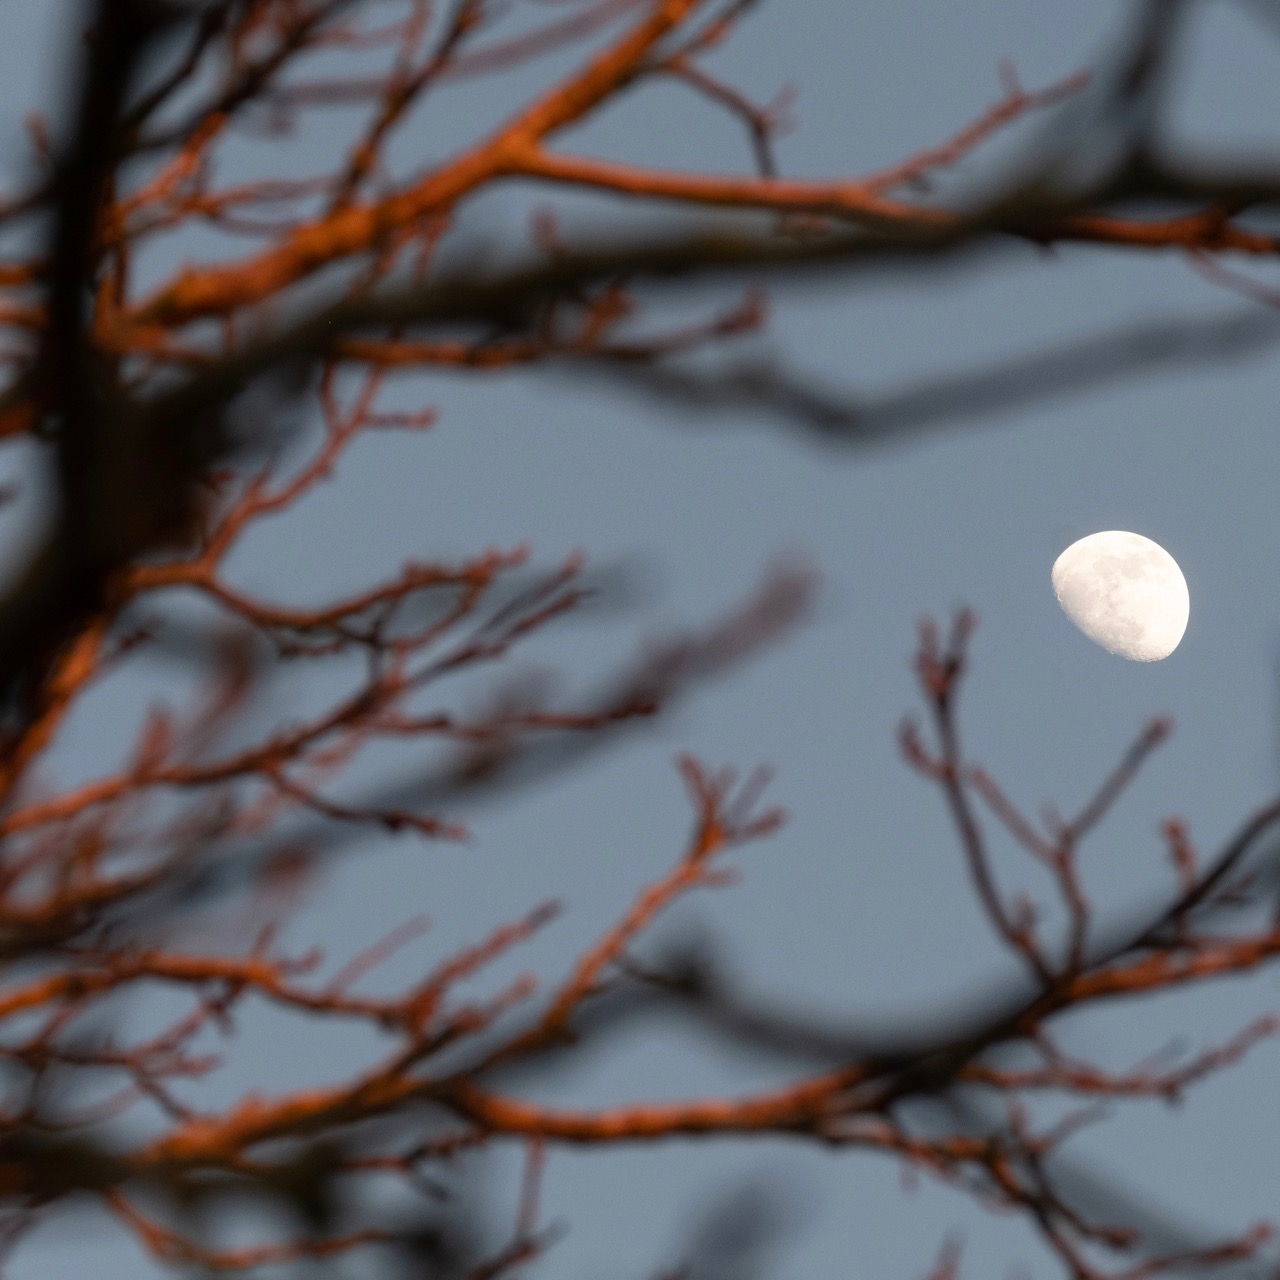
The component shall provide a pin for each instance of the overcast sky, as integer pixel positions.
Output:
(860, 908)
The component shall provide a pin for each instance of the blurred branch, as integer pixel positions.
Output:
(767, 389)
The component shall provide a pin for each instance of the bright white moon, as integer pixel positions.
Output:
(1124, 591)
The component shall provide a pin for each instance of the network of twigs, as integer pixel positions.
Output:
(150, 400)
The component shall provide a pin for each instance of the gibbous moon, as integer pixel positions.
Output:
(1124, 591)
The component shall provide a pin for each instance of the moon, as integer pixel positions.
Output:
(1125, 592)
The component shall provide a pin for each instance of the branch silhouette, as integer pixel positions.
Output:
(182, 408)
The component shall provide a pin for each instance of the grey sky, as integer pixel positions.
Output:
(860, 908)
